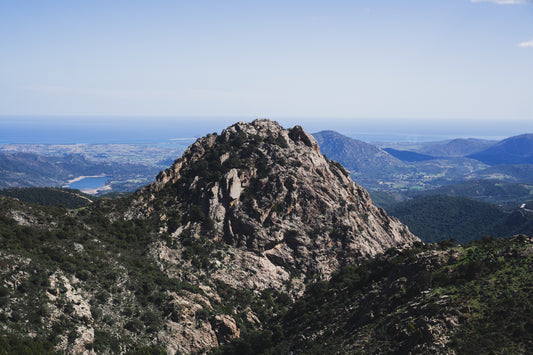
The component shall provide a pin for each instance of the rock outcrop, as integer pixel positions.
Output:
(269, 190)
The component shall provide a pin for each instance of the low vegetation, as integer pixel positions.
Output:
(436, 218)
(473, 298)
(47, 196)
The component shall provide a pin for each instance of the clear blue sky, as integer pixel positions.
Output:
(449, 59)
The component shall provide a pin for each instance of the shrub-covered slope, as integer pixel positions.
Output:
(432, 299)
(436, 218)
(48, 196)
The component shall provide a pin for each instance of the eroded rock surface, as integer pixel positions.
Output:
(266, 189)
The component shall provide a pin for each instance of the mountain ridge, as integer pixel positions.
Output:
(512, 150)
(338, 147)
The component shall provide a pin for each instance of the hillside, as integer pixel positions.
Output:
(223, 240)
(492, 191)
(353, 154)
(405, 155)
(435, 218)
(254, 242)
(433, 299)
(513, 150)
(46, 196)
(459, 147)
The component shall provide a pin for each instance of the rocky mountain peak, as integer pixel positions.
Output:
(219, 244)
(269, 190)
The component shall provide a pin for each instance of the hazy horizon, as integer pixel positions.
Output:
(107, 129)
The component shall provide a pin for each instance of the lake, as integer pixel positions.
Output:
(89, 183)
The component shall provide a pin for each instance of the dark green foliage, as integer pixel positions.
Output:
(134, 325)
(233, 161)
(436, 218)
(51, 249)
(384, 199)
(202, 314)
(198, 250)
(11, 344)
(46, 196)
(280, 141)
(173, 221)
(147, 350)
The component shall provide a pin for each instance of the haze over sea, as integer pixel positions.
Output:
(140, 130)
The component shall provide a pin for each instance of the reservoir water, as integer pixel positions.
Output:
(89, 183)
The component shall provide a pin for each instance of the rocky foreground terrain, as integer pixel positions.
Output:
(430, 299)
(251, 242)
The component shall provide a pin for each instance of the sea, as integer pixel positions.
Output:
(183, 130)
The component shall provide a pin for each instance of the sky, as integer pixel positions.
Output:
(336, 59)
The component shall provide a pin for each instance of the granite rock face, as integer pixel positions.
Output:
(261, 188)
(256, 208)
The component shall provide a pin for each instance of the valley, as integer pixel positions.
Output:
(128, 166)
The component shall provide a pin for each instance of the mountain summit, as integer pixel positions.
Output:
(269, 190)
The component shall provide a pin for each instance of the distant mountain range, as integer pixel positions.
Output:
(459, 147)
(377, 169)
(513, 150)
(422, 166)
(353, 154)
